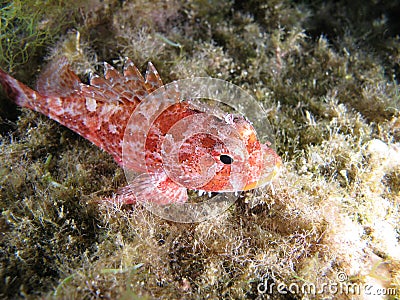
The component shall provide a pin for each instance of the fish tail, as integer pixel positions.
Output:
(19, 92)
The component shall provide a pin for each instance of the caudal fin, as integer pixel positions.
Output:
(18, 92)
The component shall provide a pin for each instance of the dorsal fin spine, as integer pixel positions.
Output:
(57, 79)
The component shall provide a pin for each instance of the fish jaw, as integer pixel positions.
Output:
(271, 166)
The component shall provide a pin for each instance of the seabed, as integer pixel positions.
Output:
(327, 73)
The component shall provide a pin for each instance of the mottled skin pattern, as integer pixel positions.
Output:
(100, 112)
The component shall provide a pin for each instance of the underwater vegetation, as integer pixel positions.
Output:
(28, 27)
(327, 73)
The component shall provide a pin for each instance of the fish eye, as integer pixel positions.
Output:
(226, 159)
(236, 119)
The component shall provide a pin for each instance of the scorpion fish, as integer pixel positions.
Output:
(100, 112)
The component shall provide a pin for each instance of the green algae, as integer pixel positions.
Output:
(28, 28)
(328, 77)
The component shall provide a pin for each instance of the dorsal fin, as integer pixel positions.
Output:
(111, 74)
(57, 79)
(116, 81)
(134, 82)
(131, 72)
(115, 86)
(153, 80)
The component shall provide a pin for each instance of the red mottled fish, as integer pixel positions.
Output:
(210, 159)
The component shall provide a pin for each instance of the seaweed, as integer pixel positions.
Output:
(327, 75)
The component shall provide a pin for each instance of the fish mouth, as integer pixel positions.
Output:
(271, 167)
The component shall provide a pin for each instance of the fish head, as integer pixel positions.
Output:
(261, 162)
(208, 153)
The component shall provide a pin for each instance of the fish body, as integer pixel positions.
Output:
(166, 151)
(99, 112)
